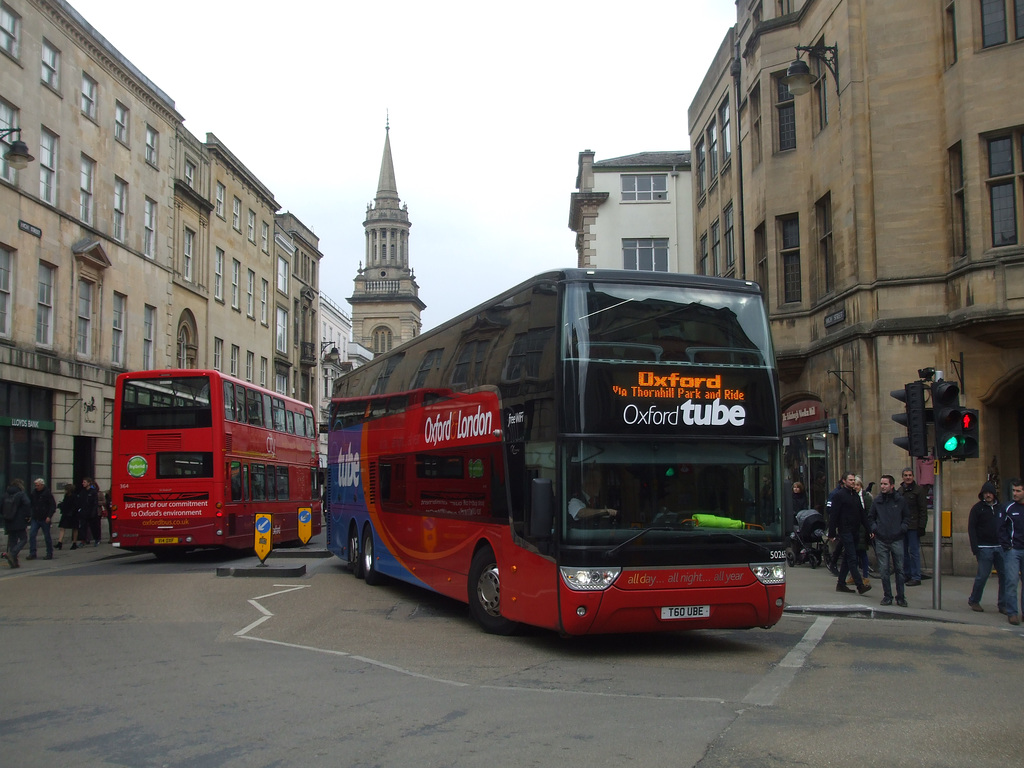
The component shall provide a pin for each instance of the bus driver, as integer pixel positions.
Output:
(587, 504)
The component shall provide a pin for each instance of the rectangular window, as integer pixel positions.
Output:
(263, 371)
(87, 180)
(218, 274)
(645, 187)
(83, 323)
(250, 297)
(236, 214)
(281, 338)
(234, 360)
(148, 335)
(122, 118)
(650, 255)
(761, 260)
(120, 208)
(282, 274)
(712, 151)
(149, 229)
(264, 296)
(958, 206)
(716, 248)
(820, 90)
(187, 254)
(265, 237)
(117, 337)
(993, 22)
(50, 65)
(789, 233)
(702, 265)
(89, 95)
(221, 190)
(755, 125)
(6, 306)
(218, 357)
(251, 234)
(702, 167)
(48, 167)
(47, 280)
(1001, 191)
(729, 239)
(786, 115)
(723, 121)
(826, 253)
(250, 365)
(152, 145)
(190, 174)
(10, 31)
(236, 277)
(8, 121)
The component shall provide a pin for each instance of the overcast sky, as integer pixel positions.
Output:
(489, 103)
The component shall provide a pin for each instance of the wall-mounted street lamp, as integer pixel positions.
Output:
(799, 78)
(333, 357)
(17, 155)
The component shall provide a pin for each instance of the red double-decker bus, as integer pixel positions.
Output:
(590, 452)
(196, 454)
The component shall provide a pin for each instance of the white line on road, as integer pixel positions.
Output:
(775, 682)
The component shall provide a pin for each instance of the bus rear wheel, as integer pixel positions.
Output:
(485, 594)
(355, 561)
(370, 572)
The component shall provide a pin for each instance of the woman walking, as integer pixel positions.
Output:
(68, 507)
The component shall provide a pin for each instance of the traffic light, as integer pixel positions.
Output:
(969, 430)
(949, 421)
(914, 418)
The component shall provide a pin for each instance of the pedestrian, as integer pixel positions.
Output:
(983, 531)
(889, 519)
(17, 510)
(917, 503)
(1011, 540)
(834, 559)
(863, 537)
(43, 507)
(68, 507)
(846, 517)
(88, 508)
(799, 497)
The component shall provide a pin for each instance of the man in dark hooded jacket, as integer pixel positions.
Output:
(17, 509)
(983, 531)
(889, 520)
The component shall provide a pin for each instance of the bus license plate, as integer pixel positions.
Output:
(686, 612)
(174, 540)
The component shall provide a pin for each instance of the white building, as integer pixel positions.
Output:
(634, 212)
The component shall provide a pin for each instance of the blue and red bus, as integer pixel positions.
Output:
(196, 454)
(589, 452)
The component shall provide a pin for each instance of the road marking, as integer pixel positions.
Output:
(775, 682)
(266, 614)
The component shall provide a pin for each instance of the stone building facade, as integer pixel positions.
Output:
(881, 213)
(122, 248)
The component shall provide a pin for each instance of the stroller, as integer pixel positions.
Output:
(808, 542)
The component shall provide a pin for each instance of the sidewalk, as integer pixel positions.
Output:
(814, 592)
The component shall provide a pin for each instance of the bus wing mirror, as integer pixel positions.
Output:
(542, 508)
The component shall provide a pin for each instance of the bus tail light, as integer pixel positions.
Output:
(769, 573)
(589, 579)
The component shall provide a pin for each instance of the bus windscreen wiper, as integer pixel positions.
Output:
(618, 547)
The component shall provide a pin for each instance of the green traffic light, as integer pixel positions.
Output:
(951, 444)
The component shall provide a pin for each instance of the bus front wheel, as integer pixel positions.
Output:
(485, 594)
(370, 572)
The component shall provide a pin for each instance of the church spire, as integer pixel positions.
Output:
(387, 187)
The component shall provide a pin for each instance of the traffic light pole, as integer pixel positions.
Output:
(937, 537)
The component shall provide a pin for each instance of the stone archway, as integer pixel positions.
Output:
(186, 353)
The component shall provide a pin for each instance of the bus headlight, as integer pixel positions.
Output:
(589, 579)
(769, 573)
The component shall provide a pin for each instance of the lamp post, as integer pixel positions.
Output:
(333, 357)
(17, 155)
(799, 78)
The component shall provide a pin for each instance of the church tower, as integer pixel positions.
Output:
(385, 303)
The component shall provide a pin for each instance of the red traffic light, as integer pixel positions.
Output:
(966, 420)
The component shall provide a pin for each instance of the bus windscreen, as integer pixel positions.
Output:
(181, 402)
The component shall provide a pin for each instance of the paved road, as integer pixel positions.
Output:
(127, 661)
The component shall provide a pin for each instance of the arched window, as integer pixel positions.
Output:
(381, 340)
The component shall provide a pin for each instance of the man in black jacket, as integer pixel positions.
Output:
(983, 531)
(845, 516)
(917, 503)
(889, 519)
(43, 507)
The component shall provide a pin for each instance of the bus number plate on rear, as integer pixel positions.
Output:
(166, 540)
(686, 612)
